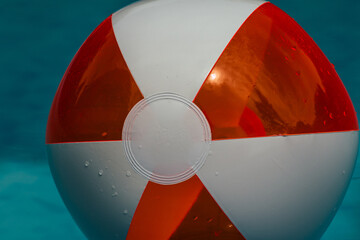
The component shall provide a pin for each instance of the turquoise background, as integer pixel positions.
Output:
(38, 39)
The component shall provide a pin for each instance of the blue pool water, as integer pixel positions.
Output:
(38, 40)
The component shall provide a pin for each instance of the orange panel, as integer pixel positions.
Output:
(182, 211)
(206, 220)
(162, 208)
(272, 79)
(96, 93)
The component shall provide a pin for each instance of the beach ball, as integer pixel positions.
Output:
(194, 119)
